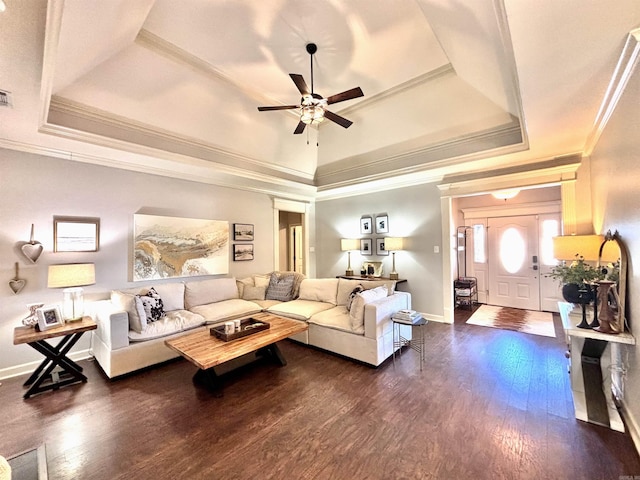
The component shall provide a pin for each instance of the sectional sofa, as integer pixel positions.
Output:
(348, 317)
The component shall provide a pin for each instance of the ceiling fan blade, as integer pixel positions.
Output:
(300, 128)
(348, 95)
(338, 119)
(300, 83)
(279, 107)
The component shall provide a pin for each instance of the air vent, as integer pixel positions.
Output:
(5, 99)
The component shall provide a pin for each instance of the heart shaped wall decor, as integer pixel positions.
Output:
(32, 251)
(17, 285)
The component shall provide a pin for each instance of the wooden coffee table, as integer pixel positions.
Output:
(206, 351)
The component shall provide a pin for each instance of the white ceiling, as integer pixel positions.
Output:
(172, 88)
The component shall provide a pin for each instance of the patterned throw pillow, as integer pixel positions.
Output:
(152, 304)
(280, 288)
(352, 295)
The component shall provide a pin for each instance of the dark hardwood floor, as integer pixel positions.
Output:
(490, 404)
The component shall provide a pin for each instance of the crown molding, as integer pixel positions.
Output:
(619, 80)
(144, 136)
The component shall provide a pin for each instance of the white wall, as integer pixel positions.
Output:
(413, 213)
(34, 188)
(615, 179)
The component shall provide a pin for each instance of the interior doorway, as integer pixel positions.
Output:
(291, 241)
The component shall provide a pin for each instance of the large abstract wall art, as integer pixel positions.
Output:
(165, 247)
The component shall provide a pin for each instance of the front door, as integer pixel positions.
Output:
(514, 275)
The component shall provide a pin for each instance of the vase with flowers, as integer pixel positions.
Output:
(576, 278)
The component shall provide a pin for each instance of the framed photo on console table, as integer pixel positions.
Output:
(49, 317)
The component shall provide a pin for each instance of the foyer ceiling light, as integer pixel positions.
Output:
(506, 194)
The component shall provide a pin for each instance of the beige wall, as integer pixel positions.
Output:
(34, 188)
(615, 179)
(414, 213)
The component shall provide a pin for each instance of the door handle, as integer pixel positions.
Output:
(535, 267)
(535, 259)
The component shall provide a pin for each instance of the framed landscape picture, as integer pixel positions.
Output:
(243, 232)
(76, 234)
(242, 252)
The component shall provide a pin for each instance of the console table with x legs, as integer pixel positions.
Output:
(46, 376)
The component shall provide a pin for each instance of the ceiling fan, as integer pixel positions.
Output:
(313, 107)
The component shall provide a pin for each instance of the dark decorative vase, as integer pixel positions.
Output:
(581, 295)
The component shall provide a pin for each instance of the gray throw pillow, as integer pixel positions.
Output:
(280, 288)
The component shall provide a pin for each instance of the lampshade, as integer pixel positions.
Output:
(71, 275)
(349, 244)
(393, 243)
(567, 247)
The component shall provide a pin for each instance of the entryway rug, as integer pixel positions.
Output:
(525, 321)
(29, 465)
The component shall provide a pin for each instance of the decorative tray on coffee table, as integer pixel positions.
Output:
(248, 326)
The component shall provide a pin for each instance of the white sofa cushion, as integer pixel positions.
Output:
(319, 290)
(253, 293)
(299, 309)
(226, 309)
(173, 322)
(371, 284)
(172, 295)
(336, 317)
(127, 302)
(357, 307)
(244, 282)
(214, 290)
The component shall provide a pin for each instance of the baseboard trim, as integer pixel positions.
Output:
(27, 368)
(632, 425)
(433, 318)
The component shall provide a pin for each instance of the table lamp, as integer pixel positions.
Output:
(72, 277)
(348, 245)
(393, 244)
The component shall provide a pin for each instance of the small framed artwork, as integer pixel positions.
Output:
(243, 232)
(380, 250)
(382, 224)
(76, 234)
(373, 269)
(365, 246)
(366, 225)
(49, 317)
(242, 252)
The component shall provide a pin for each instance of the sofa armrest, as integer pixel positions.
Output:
(377, 315)
(113, 324)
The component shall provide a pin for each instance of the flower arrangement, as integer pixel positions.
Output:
(577, 272)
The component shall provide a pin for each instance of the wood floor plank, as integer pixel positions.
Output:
(489, 404)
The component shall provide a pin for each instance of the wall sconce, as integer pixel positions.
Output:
(74, 275)
(348, 245)
(393, 244)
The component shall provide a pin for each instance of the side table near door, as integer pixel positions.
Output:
(46, 376)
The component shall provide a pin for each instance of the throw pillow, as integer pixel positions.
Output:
(352, 296)
(253, 293)
(152, 304)
(262, 280)
(356, 315)
(280, 288)
(127, 302)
